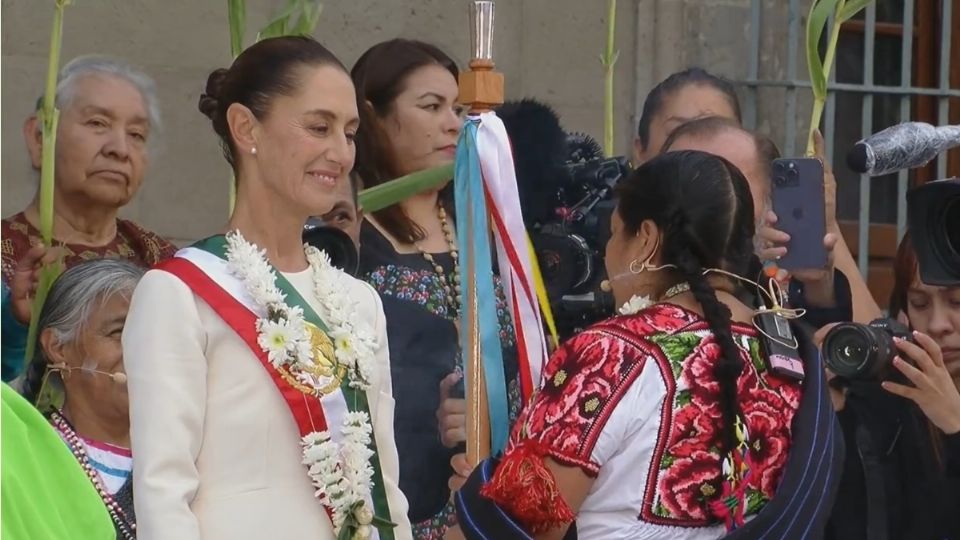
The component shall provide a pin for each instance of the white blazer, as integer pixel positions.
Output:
(217, 450)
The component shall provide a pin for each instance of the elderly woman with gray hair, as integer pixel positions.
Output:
(109, 118)
(77, 378)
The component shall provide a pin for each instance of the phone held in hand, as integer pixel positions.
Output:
(798, 201)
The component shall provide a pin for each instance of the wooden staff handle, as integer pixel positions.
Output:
(481, 88)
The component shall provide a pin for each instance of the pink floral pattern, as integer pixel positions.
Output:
(586, 378)
(688, 470)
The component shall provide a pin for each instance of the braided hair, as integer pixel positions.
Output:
(702, 205)
(71, 300)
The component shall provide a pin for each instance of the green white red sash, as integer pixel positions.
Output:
(203, 268)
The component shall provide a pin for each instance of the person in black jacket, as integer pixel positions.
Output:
(902, 470)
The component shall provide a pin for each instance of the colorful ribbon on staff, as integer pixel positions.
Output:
(487, 200)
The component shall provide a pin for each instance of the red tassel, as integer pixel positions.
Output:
(526, 489)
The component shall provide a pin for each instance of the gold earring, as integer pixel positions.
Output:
(646, 266)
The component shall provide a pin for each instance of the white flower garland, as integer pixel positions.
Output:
(341, 473)
(635, 305)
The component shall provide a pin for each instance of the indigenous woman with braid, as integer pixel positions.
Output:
(667, 421)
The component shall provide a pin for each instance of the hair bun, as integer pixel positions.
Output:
(210, 99)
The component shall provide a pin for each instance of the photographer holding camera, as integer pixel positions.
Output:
(896, 393)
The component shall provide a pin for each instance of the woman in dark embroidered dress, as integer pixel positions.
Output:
(667, 421)
(77, 377)
(411, 119)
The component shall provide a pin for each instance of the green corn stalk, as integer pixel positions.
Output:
(49, 119)
(820, 12)
(299, 17)
(609, 60)
(394, 191)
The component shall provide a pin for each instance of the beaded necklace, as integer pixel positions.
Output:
(451, 290)
(119, 517)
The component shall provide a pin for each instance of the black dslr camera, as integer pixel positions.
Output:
(337, 244)
(570, 245)
(863, 352)
(933, 212)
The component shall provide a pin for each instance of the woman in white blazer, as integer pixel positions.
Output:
(260, 393)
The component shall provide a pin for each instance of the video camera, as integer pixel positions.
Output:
(570, 244)
(933, 214)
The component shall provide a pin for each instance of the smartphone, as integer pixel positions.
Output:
(798, 201)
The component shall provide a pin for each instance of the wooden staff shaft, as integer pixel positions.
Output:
(481, 88)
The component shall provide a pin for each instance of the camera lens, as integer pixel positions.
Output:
(847, 349)
(856, 351)
(778, 181)
(793, 174)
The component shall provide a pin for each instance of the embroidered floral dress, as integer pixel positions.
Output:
(633, 402)
(424, 348)
(132, 242)
(19, 235)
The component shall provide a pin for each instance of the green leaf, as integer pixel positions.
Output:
(237, 15)
(755, 500)
(380, 523)
(310, 17)
(48, 274)
(299, 17)
(820, 11)
(394, 191)
(851, 8)
(278, 25)
(677, 347)
(756, 356)
(684, 397)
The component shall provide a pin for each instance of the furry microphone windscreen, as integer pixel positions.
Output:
(540, 154)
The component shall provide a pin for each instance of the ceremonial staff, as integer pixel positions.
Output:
(481, 89)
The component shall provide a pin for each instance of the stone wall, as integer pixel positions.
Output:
(548, 49)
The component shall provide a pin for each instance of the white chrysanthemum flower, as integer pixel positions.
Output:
(635, 305)
(315, 437)
(275, 340)
(341, 473)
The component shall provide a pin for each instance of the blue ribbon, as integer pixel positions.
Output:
(473, 235)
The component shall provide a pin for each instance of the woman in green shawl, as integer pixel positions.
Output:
(45, 491)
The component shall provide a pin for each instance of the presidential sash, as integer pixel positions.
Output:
(203, 268)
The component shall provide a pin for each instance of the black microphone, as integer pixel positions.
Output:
(903, 146)
(539, 156)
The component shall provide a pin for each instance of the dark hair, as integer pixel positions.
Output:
(702, 205)
(678, 81)
(905, 270)
(380, 76)
(69, 304)
(263, 71)
(710, 126)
